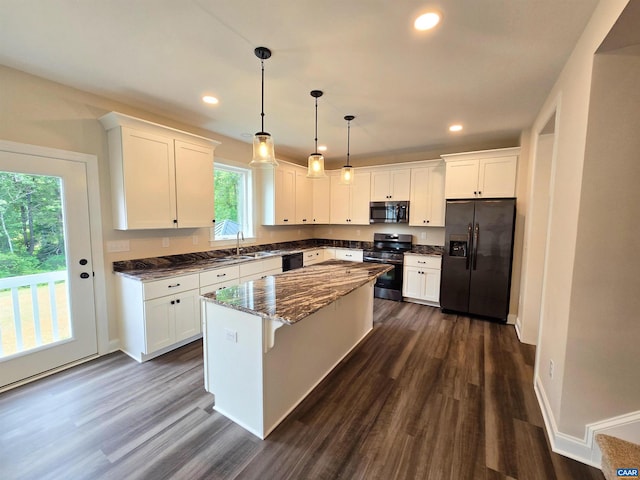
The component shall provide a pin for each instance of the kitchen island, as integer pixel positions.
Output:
(269, 342)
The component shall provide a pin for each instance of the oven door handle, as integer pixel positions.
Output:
(382, 260)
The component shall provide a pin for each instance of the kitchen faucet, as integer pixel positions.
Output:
(238, 235)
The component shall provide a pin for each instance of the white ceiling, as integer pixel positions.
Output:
(488, 65)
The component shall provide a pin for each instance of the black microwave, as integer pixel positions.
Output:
(389, 212)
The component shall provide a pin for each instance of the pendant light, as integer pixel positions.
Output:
(316, 160)
(263, 151)
(347, 172)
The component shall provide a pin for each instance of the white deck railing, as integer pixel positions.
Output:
(33, 282)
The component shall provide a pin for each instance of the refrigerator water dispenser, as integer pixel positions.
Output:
(458, 247)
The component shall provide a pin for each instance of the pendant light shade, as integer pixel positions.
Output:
(263, 151)
(316, 160)
(347, 172)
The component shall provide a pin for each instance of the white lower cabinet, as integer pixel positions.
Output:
(219, 278)
(311, 257)
(257, 269)
(157, 316)
(350, 254)
(169, 320)
(421, 279)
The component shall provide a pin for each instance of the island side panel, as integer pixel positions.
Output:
(233, 346)
(305, 352)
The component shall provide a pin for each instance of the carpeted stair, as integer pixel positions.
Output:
(618, 454)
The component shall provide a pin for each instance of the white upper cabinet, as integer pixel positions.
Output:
(390, 185)
(194, 185)
(321, 199)
(287, 195)
(304, 197)
(160, 177)
(350, 203)
(487, 174)
(426, 206)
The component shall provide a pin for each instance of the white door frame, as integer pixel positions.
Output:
(95, 226)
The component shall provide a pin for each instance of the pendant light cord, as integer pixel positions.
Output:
(348, 139)
(262, 96)
(316, 139)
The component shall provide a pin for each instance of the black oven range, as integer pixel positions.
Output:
(389, 248)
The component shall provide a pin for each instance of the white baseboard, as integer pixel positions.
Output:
(114, 345)
(567, 445)
(585, 449)
(518, 326)
(511, 319)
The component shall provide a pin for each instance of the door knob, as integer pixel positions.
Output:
(84, 275)
(83, 261)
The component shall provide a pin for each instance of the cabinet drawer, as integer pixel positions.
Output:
(258, 266)
(169, 286)
(352, 255)
(260, 275)
(218, 286)
(425, 261)
(219, 275)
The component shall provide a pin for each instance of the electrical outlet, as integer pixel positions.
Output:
(195, 239)
(118, 246)
(231, 335)
(423, 235)
(165, 242)
(357, 233)
(551, 366)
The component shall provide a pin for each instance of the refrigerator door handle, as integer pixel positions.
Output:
(476, 237)
(469, 245)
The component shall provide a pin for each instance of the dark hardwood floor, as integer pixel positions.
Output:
(425, 396)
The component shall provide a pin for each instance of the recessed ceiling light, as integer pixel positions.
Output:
(322, 148)
(427, 21)
(455, 128)
(210, 100)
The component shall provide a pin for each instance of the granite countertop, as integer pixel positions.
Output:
(291, 296)
(158, 268)
(158, 273)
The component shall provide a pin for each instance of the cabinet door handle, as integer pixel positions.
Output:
(173, 286)
(479, 192)
(175, 220)
(178, 301)
(419, 261)
(173, 302)
(285, 219)
(221, 275)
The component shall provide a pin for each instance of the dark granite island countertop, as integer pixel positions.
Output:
(291, 296)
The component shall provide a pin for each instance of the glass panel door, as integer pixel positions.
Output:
(47, 316)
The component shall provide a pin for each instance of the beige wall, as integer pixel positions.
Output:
(602, 356)
(570, 97)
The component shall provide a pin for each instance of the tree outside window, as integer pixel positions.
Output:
(232, 201)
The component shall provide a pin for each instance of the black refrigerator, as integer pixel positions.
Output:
(478, 252)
